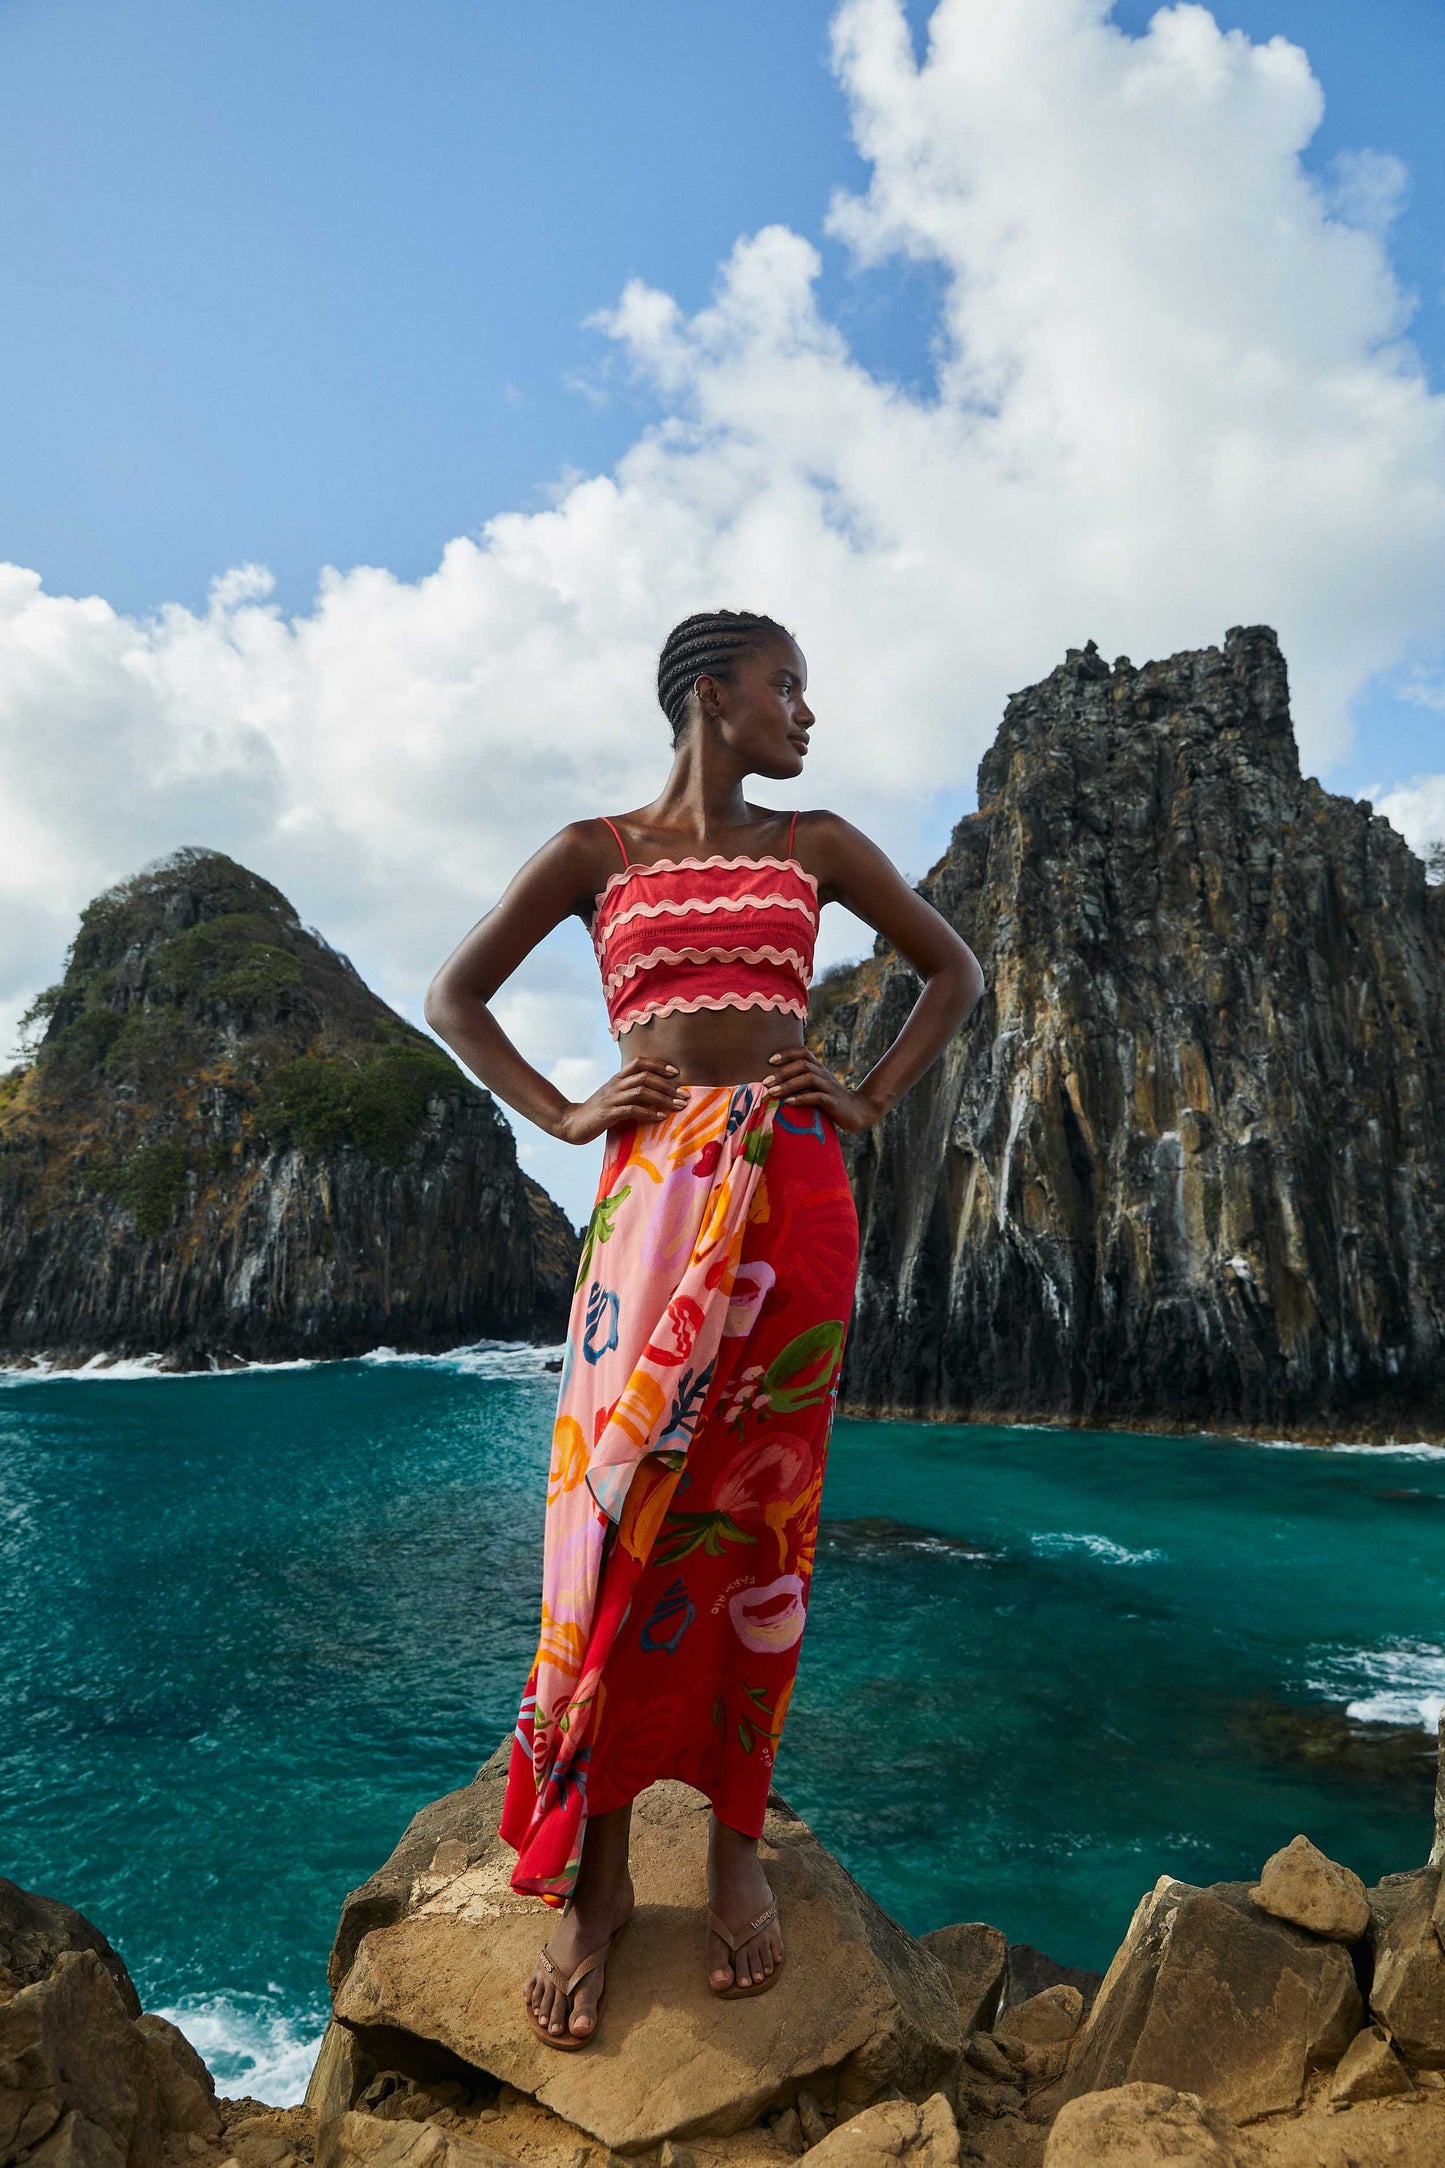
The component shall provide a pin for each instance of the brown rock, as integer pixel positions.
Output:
(1029, 1971)
(1209, 1995)
(185, 2089)
(787, 2128)
(76, 2143)
(339, 2076)
(1407, 1993)
(986, 2055)
(1044, 2019)
(1300, 1884)
(1370, 2069)
(440, 1962)
(33, 1932)
(69, 2049)
(974, 1956)
(811, 2117)
(356, 2140)
(1140, 2126)
(925, 2136)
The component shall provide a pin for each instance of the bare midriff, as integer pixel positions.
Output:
(717, 1046)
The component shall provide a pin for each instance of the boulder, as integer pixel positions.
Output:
(185, 2089)
(1370, 2069)
(926, 2136)
(1210, 1996)
(974, 1957)
(1300, 1884)
(33, 1932)
(1141, 2126)
(355, 2140)
(1029, 1971)
(1044, 2020)
(72, 2056)
(430, 1959)
(86, 2079)
(1407, 1993)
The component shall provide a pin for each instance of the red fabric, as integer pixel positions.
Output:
(710, 933)
(693, 1640)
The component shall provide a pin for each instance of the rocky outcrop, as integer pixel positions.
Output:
(86, 2080)
(430, 1953)
(1187, 1167)
(227, 1147)
(1279, 2002)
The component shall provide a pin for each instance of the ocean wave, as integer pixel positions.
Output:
(1400, 1682)
(124, 1369)
(1058, 1543)
(1418, 1451)
(250, 2046)
(481, 1358)
(485, 1359)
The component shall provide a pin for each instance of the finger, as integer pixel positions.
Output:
(645, 1064)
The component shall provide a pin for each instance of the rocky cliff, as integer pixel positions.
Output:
(1187, 1166)
(228, 1147)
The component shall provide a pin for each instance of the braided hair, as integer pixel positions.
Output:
(706, 644)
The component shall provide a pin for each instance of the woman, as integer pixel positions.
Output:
(713, 1298)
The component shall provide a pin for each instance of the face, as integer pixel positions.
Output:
(762, 714)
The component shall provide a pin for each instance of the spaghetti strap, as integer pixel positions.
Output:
(616, 839)
(791, 826)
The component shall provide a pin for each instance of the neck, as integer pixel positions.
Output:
(703, 795)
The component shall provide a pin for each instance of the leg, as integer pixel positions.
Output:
(601, 1898)
(738, 1891)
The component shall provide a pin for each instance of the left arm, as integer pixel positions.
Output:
(852, 870)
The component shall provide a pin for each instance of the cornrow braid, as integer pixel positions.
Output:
(706, 644)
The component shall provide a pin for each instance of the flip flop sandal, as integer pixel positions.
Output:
(735, 1943)
(566, 2040)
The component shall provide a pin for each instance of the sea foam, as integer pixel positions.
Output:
(481, 1359)
(251, 2047)
(1057, 1543)
(1400, 1682)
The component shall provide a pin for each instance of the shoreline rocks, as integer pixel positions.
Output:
(1223, 2035)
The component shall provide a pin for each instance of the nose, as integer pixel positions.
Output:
(803, 714)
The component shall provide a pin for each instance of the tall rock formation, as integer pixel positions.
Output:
(1187, 1166)
(228, 1147)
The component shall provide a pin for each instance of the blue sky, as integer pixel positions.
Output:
(303, 285)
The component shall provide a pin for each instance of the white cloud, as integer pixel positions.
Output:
(1174, 393)
(1416, 808)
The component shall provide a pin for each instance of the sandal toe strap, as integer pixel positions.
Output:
(745, 1934)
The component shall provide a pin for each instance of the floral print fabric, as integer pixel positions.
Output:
(697, 1394)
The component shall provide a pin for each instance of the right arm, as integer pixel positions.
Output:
(557, 881)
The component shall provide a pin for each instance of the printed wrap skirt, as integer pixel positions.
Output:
(697, 1394)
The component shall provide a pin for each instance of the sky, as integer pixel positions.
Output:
(377, 385)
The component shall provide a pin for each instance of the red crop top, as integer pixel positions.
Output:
(705, 933)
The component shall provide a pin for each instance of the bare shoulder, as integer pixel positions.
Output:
(831, 848)
(572, 866)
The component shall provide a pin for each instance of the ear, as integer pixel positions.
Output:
(708, 690)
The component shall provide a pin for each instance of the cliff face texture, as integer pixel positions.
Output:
(1187, 1166)
(228, 1147)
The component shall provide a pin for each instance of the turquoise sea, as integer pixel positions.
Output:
(249, 1623)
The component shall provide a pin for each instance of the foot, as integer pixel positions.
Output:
(583, 1928)
(738, 1891)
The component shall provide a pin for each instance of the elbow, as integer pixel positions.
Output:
(436, 1006)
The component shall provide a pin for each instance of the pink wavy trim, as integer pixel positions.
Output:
(603, 929)
(703, 865)
(763, 955)
(784, 1002)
